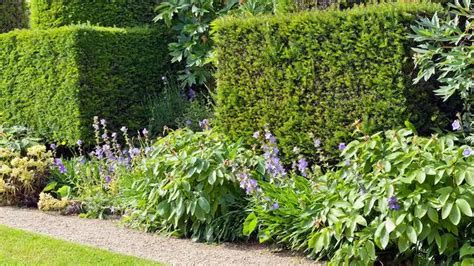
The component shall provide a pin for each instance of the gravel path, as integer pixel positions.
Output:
(109, 235)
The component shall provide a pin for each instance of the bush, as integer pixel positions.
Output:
(12, 15)
(445, 51)
(54, 81)
(393, 192)
(119, 13)
(189, 186)
(312, 75)
(22, 177)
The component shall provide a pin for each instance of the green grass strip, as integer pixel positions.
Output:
(23, 248)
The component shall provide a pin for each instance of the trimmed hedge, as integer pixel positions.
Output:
(54, 81)
(312, 75)
(12, 15)
(108, 13)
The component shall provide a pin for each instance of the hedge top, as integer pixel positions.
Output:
(407, 9)
(109, 13)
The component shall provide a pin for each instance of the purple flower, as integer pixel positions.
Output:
(456, 125)
(59, 164)
(204, 124)
(256, 134)
(111, 168)
(467, 152)
(99, 152)
(251, 186)
(302, 166)
(347, 162)
(393, 204)
(188, 123)
(270, 137)
(342, 146)
(191, 94)
(104, 136)
(79, 142)
(145, 132)
(275, 206)
(53, 146)
(108, 179)
(103, 122)
(317, 143)
(134, 152)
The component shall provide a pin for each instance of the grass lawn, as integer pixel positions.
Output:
(23, 248)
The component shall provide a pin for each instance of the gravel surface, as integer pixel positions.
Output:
(109, 235)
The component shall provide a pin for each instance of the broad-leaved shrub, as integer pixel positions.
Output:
(189, 186)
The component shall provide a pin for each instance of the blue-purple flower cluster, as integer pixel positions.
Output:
(250, 185)
(273, 164)
(108, 152)
(393, 203)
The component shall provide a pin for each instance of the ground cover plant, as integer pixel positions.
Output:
(23, 248)
(314, 75)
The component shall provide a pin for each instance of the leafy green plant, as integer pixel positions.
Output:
(394, 191)
(190, 20)
(17, 138)
(445, 51)
(189, 186)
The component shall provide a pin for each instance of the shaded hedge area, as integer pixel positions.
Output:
(54, 81)
(12, 15)
(119, 13)
(312, 75)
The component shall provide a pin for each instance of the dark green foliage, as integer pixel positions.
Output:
(312, 75)
(12, 15)
(54, 81)
(120, 13)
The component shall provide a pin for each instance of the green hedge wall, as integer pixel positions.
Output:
(12, 15)
(312, 75)
(54, 81)
(108, 13)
